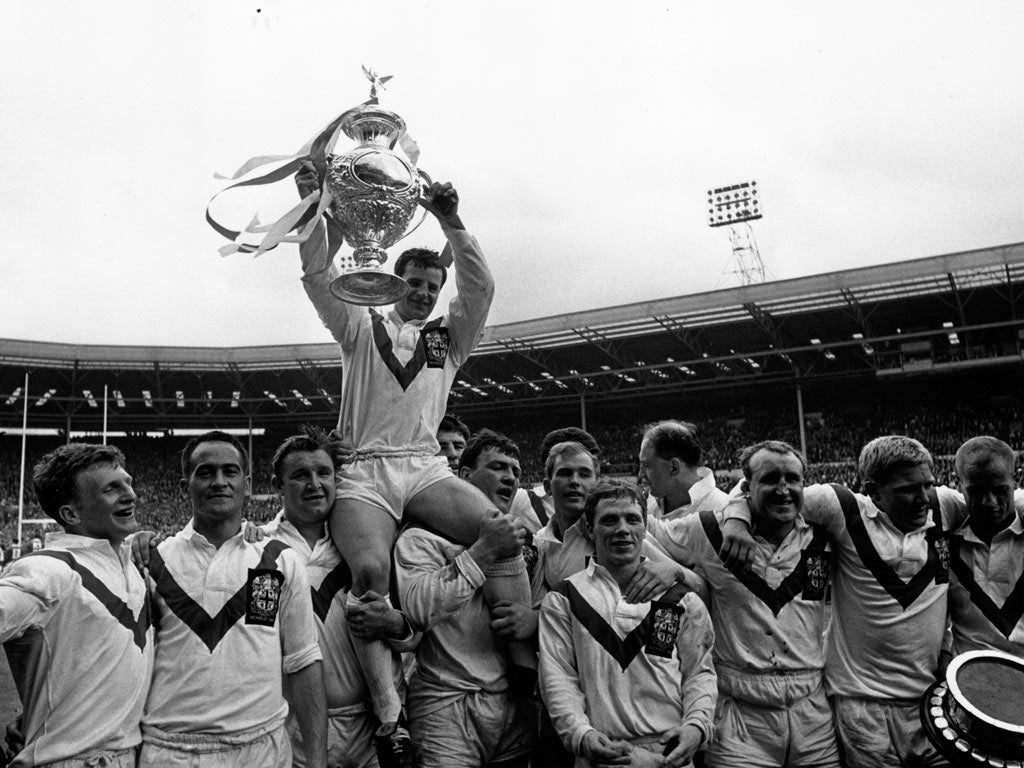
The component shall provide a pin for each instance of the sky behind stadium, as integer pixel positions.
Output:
(582, 137)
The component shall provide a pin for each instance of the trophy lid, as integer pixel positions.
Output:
(372, 124)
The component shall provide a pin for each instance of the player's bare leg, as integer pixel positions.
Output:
(454, 508)
(364, 534)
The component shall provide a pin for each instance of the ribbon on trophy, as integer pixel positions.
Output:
(343, 208)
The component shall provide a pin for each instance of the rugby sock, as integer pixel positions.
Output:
(507, 580)
(376, 660)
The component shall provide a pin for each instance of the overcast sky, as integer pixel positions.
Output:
(582, 137)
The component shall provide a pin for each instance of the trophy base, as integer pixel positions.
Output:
(369, 288)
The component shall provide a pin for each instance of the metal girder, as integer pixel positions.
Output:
(766, 322)
(601, 341)
(856, 310)
(690, 339)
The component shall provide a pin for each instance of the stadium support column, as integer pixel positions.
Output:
(104, 414)
(24, 450)
(583, 411)
(800, 419)
(250, 450)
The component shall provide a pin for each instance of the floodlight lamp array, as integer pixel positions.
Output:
(733, 204)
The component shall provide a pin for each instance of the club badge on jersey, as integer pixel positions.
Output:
(664, 629)
(263, 596)
(437, 342)
(816, 580)
(941, 545)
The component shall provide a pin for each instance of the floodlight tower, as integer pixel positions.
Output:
(736, 206)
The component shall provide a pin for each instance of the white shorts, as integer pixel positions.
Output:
(389, 482)
(271, 750)
(473, 730)
(767, 720)
(119, 758)
(878, 733)
(349, 741)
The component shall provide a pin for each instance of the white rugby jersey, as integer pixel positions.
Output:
(329, 584)
(396, 376)
(75, 621)
(704, 494)
(889, 604)
(558, 560)
(986, 588)
(772, 616)
(632, 671)
(229, 621)
(440, 588)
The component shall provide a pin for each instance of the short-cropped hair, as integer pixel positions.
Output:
(53, 477)
(675, 440)
(568, 435)
(452, 423)
(772, 446)
(568, 448)
(424, 258)
(611, 489)
(981, 450)
(886, 455)
(487, 440)
(213, 436)
(309, 440)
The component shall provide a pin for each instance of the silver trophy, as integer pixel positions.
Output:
(375, 194)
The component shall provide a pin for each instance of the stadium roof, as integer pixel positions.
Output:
(945, 312)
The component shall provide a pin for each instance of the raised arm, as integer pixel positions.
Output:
(318, 270)
(474, 284)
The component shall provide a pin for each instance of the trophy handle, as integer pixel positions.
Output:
(424, 175)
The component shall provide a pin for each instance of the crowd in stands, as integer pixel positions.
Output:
(833, 438)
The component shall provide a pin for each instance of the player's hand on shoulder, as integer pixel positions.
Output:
(651, 579)
(737, 544)
(142, 543)
(252, 533)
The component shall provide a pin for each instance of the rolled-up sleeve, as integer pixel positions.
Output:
(699, 681)
(431, 585)
(300, 644)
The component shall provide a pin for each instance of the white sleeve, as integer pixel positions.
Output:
(431, 585)
(474, 285)
(300, 644)
(558, 675)
(30, 593)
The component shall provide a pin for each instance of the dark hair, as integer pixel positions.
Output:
(568, 435)
(424, 258)
(675, 440)
(610, 488)
(53, 477)
(213, 436)
(452, 423)
(309, 440)
(487, 440)
(772, 446)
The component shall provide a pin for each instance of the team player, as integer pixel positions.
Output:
(670, 456)
(986, 579)
(234, 620)
(75, 620)
(462, 709)
(452, 436)
(889, 605)
(625, 682)
(769, 620)
(303, 474)
(397, 370)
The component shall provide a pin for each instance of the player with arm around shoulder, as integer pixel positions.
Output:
(625, 684)
(80, 598)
